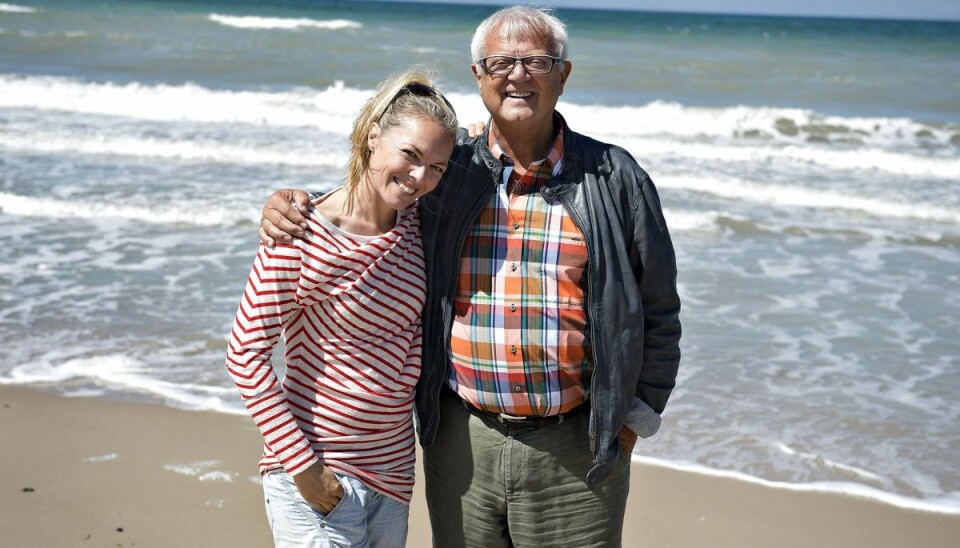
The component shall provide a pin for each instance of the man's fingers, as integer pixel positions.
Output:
(266, 240)
(282, 218)
(476, 129)
(627, 439)
(286, 222)
(301, 200)
(282, 230)
(285, 212)
(290, 204)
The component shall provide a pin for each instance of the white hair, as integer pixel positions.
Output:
(522, 22)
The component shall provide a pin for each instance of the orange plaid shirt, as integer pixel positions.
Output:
(519, 339)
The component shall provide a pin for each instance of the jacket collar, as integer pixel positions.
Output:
(572, 157)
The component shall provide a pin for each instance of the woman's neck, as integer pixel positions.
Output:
(369, 216)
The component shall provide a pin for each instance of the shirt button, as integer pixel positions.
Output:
(516, 226)
(513, 308)
(518, 388)
(513, 349)
(513, 266)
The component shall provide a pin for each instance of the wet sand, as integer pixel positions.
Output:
(92, 472)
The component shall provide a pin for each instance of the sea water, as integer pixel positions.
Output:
(809, 170)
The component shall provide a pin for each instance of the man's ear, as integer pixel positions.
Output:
(477, 72)
(565, 70)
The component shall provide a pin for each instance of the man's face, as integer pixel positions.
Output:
(519, 97)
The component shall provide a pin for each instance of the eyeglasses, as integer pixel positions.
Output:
(419, 90)
(502, 65)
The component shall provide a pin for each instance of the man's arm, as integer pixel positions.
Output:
(282, 217)
(657, 278)
(661, 302)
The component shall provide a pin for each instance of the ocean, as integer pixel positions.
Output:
(809, 170)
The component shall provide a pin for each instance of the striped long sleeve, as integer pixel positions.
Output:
(268, 303)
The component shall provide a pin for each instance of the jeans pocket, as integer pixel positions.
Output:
(344, 500)
(295, 523)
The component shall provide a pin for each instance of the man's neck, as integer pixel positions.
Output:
(525, 144)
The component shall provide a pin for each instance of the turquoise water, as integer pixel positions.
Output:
(809, 169)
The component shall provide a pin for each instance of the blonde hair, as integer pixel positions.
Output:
(390, 106)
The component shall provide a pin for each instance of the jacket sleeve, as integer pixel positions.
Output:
(268, 303)
(657, 278)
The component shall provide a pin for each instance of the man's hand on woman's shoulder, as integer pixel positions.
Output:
(282, 217)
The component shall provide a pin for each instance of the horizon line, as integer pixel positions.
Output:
(627, 9)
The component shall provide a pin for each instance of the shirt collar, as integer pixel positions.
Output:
(554, 155)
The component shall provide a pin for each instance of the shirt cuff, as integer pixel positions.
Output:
(642, 420)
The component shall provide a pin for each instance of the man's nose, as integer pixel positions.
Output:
(518, 71)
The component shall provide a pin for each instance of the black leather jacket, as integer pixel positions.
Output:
(632, 302)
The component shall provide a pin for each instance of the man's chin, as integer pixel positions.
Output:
(516, 115)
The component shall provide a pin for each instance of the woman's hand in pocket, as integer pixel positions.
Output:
(320, 487)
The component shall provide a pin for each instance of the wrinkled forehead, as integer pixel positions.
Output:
(539, 37)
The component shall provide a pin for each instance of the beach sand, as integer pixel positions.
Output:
(91, 472)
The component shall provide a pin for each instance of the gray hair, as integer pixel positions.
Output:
(538, 24)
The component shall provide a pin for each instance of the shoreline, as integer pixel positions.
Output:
(116, 473)
(847, 489)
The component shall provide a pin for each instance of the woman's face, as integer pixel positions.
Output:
(407, 160)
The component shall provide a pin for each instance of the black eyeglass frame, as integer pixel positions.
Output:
(420, 90)
(522, 60)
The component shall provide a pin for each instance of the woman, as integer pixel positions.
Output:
(338, 460)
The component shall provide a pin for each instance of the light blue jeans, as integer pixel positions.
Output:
(363, 518)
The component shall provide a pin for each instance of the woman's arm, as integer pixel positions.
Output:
(268, 303)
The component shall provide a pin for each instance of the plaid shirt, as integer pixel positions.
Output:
(519, 339)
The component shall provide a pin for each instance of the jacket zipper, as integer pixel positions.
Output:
(575, 215)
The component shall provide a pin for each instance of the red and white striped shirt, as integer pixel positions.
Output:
(349, 310)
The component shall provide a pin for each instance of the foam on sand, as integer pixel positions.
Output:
(949, 504)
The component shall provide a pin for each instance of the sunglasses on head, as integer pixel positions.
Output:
(419, 90)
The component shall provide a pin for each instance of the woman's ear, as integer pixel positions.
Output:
(373, 136)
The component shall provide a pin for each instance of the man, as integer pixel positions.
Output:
(551, 327)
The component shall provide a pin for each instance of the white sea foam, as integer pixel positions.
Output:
(679, 220)
(185, 213)
(14, 8)
(281, 23)
(949, 504)
(793, 196)
(665, 118)
(122, 372)
(66, 142)
(101, 458)
(889, 143)
(865, 474)
(13, 204)
(202, 470)
(331, 108)
(763, 153)
(650, 131)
